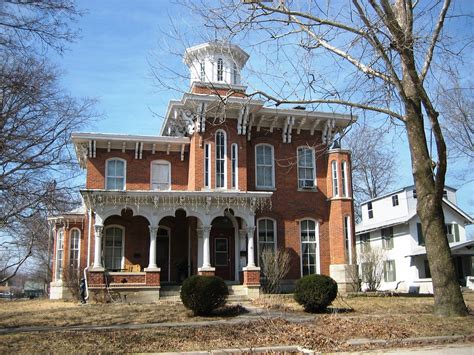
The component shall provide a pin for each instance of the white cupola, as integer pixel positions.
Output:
(219, 63)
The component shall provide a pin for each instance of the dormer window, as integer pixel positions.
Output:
(220, 69)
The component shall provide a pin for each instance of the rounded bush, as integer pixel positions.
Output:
(315, 292)
(203, 294)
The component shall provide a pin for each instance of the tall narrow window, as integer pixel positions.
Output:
(220, 160)
(59, 253)
(235, 167)
(370, 210)
(309, 247)
(202, 71)
(389, 272)
(220, 69)
(115, 174)
(207, 165)
(452, 232)
(113, 248)
(264, 166)
(395, 200)
(235, 74)
(266, 235)
(74, 246)
(345, 189)
(335, 179)
(306, 175)
(160, 175)
(387, 238)
(348, 238)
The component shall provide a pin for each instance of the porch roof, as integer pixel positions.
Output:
(459, 248)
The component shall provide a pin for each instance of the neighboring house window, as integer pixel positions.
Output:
(427, 269)
(366, 271)
(235, 165)
(347, 238)
(306, 175)
(389, 272)
(207, 165)
(59, 253)
(220, 160)
(235, 74)
(113, 248)
(264, 166)
(421, 238)
(74, 247)
(160, 175)
(365, 242)
(414, 194)
(202, 72)
(115, 174)
(345, 187)
(335, 179)
(309, 247)
(387, 238)
(452, 232)
(395, 200)
(445, 194)
(370, 210)
(266, 235)
(220, 69)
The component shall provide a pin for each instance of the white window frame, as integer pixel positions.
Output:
(122, 262)
(220, 69)
(386, 271)
(234, 161)
(235, 74)
(78, 247)
(224, 158)
(348, 238)
(395, 201)
(318, 255)
(160, 162)
(202, 70)
(207, 165)
(107, 162)
(335, 179)
(58, 270)
(345, 185)
(370, 210)
(263, 187)
(313, 162)
(274, 222)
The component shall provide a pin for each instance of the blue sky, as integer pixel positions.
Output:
(111, 62)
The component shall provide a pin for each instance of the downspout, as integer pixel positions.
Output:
(88, 254)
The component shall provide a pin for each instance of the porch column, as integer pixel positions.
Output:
(251, 272)
(152, 258)
(206, 268)
(250, 247)
(98, 228)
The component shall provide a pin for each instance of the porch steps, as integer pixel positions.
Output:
(237, 293)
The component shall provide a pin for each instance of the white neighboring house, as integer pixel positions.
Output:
(390, 222)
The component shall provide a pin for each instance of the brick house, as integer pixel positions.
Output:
(226, 178)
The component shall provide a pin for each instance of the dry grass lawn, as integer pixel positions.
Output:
(372, 317)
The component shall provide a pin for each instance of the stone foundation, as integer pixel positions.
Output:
(346, 277)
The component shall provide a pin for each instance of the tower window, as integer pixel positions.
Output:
(202, 72)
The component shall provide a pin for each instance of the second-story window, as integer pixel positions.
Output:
(160, 175)
(220, 69)
(115, 174)
(306, 175)
(220, 159)
(335, 179)
(207, 165)
(264, 166)
(370, 210)
(387, 238)
(235, 165)
(345, 189)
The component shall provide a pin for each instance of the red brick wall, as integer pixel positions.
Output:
(221, 92)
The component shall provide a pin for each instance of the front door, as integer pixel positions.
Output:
(222, 249)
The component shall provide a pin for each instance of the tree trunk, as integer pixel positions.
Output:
(447, 293)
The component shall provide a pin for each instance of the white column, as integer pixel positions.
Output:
(250, 247)
(98, 228)
(152, 258)
(206, 249)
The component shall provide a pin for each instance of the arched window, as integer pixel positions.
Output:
(59, 254)
(220, 69)
(335, 179)
(235, 74)
(345, 188)
(266, 231)
(74, 248)
(309, 247)
(115, 174)
(306, 168)
(220, 159)
(113, 248)
(264, 166)
(235, 165)
(202, 71)
(160, 175)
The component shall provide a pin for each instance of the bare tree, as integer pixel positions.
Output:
(371, 267)
(275, 265)
(377, 55)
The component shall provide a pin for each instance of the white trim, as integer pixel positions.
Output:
(349, 237)
(162, 162)
(236, 172)
(104, 236)
(208, 165)
(58, 276)
(318, 255)
(124, 173)
(344, 176)
(273, 167)
(78, 247)
(275, 246)
(224, 157)
(313, 158)
(335, 177)
(168, 231)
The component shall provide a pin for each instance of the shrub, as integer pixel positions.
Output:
(203, 294)
(315, 292)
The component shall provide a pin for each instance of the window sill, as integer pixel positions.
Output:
(340, 198)
(313, 189)
(265, 188)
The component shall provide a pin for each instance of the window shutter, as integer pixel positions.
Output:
(456, 232)
(421, 239)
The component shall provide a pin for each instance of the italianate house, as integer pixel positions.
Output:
(226, 178)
